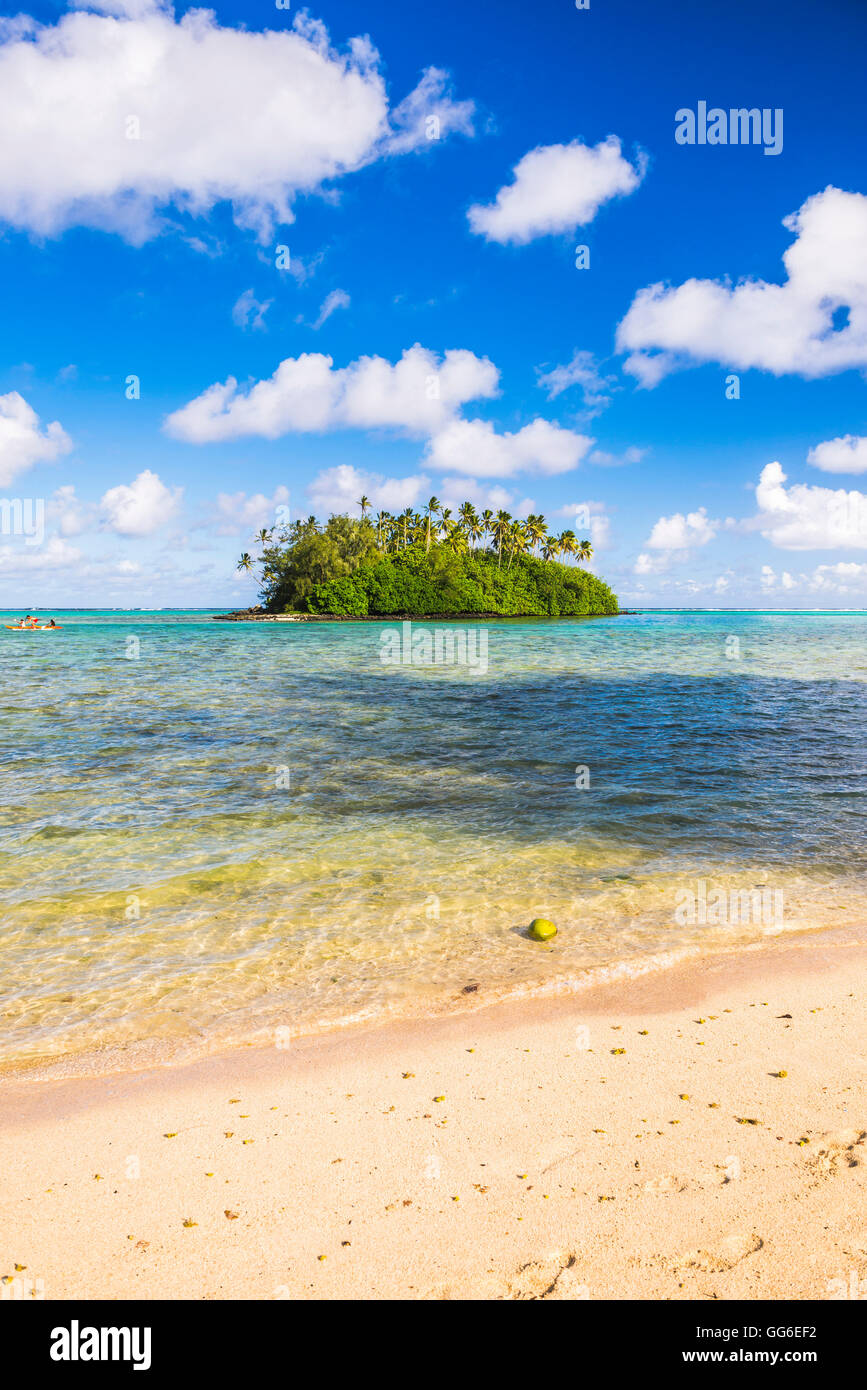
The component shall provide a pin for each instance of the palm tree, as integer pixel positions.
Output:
(447, 521)
(264, 537)
(245, 563)
(551, 548)
(382, 517)
(519, 539)
(407, 518)
(585, 550)
(364, 504)
(473, 525)
(568, 543)
(500, 531)
(536, 530)
(487, 520)
(432, 507)
(466, 512)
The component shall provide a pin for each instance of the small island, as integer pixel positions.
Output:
(429, 564)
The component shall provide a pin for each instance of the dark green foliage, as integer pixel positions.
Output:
(342, 569)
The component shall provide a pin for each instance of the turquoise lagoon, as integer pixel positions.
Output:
(215, 833)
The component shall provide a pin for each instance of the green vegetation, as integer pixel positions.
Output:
(423, 564)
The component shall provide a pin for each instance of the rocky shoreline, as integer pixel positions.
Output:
(258, 615)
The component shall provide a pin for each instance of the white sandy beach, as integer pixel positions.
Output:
(503, 1154)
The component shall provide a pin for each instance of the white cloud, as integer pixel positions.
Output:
(769, 579)
(249, 312)
(54, 554)
(71, 515)
(429, 112)
(845, 455)
(804, 517)
(474, 447)
(679, 532)
(306, 394)
(337, 299)
(556, 188)
(141, 507)
(454, 491)
(23, 441)
(240, 514)
(843, 578)
(339, 489)
(581, 371)
(673, 538)
(606, 460)
(223, 114)
(787, 328)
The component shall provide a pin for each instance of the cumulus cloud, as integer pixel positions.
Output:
(803, 517)
(484, 497)
(583, 372)
(339, 489)
(845, 455)
(141, 507)
(792, 327)
(53, 555)
(23, 440)
(307, 394)
(474, 447)
(109, 119)
(679, 532)
(843, 578)
(554, 189)
(238, 513)
(673, 537)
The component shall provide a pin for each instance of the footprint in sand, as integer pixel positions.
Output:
(664, 1185)
(843, 1148)
(556, 1278)
(724, 1254)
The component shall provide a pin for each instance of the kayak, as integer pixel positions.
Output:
(10, 627)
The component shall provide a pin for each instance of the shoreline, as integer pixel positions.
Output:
(609, 981)
(252, 616)
(673, 1136)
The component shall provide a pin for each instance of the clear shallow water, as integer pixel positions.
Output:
(164, 888)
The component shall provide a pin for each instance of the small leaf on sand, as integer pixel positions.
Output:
(188, 1222)
(232, 1215)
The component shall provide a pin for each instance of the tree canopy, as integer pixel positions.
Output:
(426, 563)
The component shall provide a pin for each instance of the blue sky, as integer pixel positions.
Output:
(150, 250)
